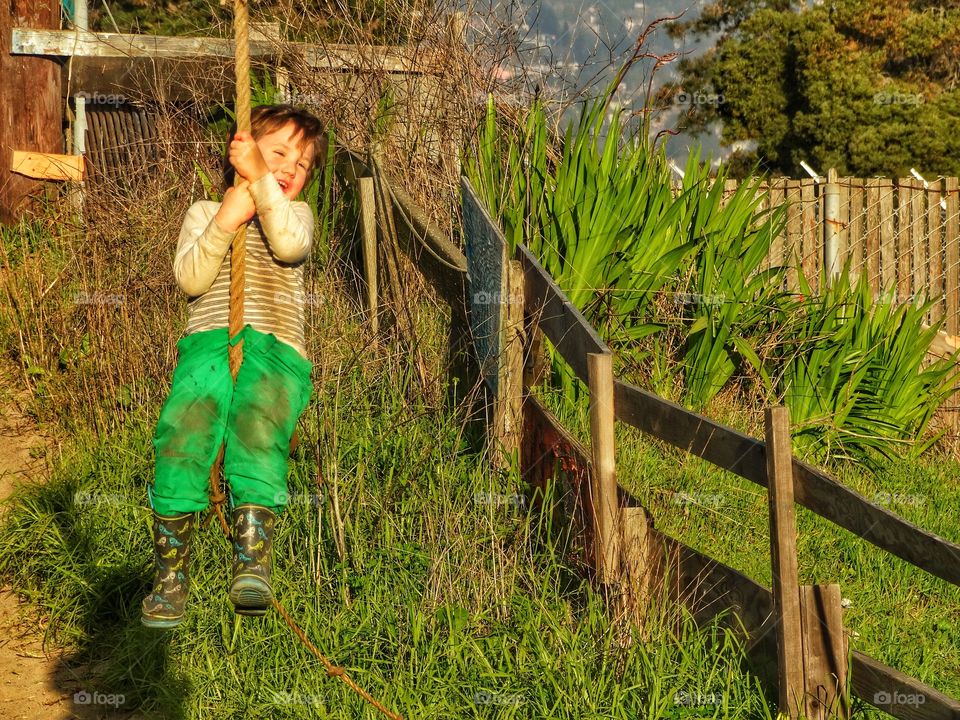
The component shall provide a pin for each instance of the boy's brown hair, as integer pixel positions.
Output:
(265, 119)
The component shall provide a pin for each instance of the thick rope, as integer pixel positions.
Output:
(237, 270)
(238, 249)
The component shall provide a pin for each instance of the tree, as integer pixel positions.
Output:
(868, 88)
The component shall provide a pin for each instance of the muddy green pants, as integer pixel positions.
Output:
(255, 419)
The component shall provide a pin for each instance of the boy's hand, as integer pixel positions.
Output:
(237, 209)
(246, 158)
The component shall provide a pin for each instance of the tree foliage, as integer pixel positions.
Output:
(868, 88)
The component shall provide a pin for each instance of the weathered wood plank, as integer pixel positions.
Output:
(898, 694)
(508, 406)
(812, 240)
(844, 218)
(603, 481)
(952, 240)
(856, 244)
(872, 240)
(778, 189)
(794, 233)
(918, 240)
(333, 57)
(935, 251)
(48, 166)
(783, 559)
(824, 653)
(741, 454)
(904, 239)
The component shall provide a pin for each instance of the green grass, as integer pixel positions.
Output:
(444, 606)
(900, 615)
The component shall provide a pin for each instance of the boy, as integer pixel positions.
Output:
(257, 417)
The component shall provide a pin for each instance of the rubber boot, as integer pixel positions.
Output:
(250, 590)
(163, 607)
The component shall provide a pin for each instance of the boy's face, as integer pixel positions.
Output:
(286, 161)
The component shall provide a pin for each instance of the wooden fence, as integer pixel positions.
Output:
(620, 543)
(902, 233)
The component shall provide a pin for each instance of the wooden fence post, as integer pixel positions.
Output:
(508, 406)
(32, 115)
(368, 218)
(783, 555)
(603, 481)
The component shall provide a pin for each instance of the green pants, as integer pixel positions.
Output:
(255, 419)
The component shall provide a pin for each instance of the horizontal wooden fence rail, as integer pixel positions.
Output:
(816, 490)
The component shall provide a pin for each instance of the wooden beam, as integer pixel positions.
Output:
(48, 166)
(508, 404)
(783, 557)
(741, 454)
(898, 694)
(368, 217)
(824, 653)
(603, 482)
(332, 57)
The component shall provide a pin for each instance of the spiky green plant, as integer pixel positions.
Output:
(853, 371)
(730, 299)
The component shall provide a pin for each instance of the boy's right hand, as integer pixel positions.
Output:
(237, 209)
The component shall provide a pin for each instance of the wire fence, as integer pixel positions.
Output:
(904, 234)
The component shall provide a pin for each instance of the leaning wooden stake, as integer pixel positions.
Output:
(783, 555)
(824, 653)
(603, 480)
(368, 214)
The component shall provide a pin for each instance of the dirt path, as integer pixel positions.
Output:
(25, 668)
(35, 683)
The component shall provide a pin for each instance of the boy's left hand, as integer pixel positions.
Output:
(246, 158)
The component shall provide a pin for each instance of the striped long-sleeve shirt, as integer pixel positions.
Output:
(278, 241)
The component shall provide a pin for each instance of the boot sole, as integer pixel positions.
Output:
(160, 623)
(250, 596)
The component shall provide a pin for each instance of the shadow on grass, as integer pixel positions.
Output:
(68, 559)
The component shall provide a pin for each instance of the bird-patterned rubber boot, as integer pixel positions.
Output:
(163, 607)
(250, 590)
